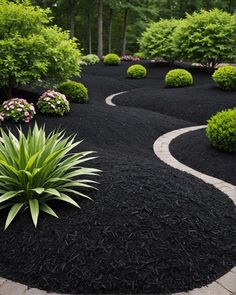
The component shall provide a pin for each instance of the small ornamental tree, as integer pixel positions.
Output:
(206, 37)
(157, 41)
(31, 50)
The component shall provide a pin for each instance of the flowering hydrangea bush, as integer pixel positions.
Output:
(18, 110)
(129, 58)
(52, 102)
(1, 117)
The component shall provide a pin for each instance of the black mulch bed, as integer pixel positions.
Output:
(150, 229)
(195, 104)
(194, 150)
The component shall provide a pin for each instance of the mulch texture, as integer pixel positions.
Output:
(194, 150)
(151, 228)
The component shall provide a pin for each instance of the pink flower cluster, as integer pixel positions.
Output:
(1, 117)
(46, 96)
(18, 109)
(129, 58)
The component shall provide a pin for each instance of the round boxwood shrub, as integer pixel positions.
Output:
(178, 78)
(74, 91)
(54, 103)
(136, 72)
(111, 59)
(225, 77)
(221, 130)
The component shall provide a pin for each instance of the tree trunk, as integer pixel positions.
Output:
(89, 34)
(100, 28)
(44, 4)
(124, 32)
(72, 18)
(8, 89)
(230, 6)
(110, 30)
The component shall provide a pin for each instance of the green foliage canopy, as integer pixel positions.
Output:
(157, 41)
(31, 50)
(206, 37)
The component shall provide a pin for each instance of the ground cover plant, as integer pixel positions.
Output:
(38, 168)
(54, 103)
(178, 78)
(111, 59)
(34, 52)
(225, 77)
(136, 72)
(74, 91)
(17, 110)
(90, 59)
(221, 130)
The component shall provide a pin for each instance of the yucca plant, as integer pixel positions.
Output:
(37, 168)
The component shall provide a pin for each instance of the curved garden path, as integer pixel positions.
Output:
(226, 285)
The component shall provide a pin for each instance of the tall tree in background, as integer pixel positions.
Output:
(118, 24)
(72, 13)
(100, 28)
(113, 7)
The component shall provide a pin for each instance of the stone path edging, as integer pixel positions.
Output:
(226, 285)
(161, 149)
(110, 97)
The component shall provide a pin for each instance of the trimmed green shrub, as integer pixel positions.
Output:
(136, 72)
(38, 168)
(221, 130)
(178, 78)
(74, 91)
(206, 37)
(157, 41)
(54, 103)
(32, 51)
(17, 110)
(90, 59)
(111, 59)
(225, 77)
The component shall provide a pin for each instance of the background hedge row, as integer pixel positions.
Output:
(205, 37)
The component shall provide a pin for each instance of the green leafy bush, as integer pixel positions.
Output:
(221, 130)
(225, 77)
(206, 37)
(90, 59)
(74, 91)
(111, 59)
(17, 110)
(140, 55)
(157, 41)
(52, 102)
(136, 71)
(31, 50)
(35, 169)
(178, 78)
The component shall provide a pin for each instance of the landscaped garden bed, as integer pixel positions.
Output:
(104, 133)
(151, 228)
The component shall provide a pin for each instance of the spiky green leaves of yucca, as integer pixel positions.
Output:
(37, 168)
